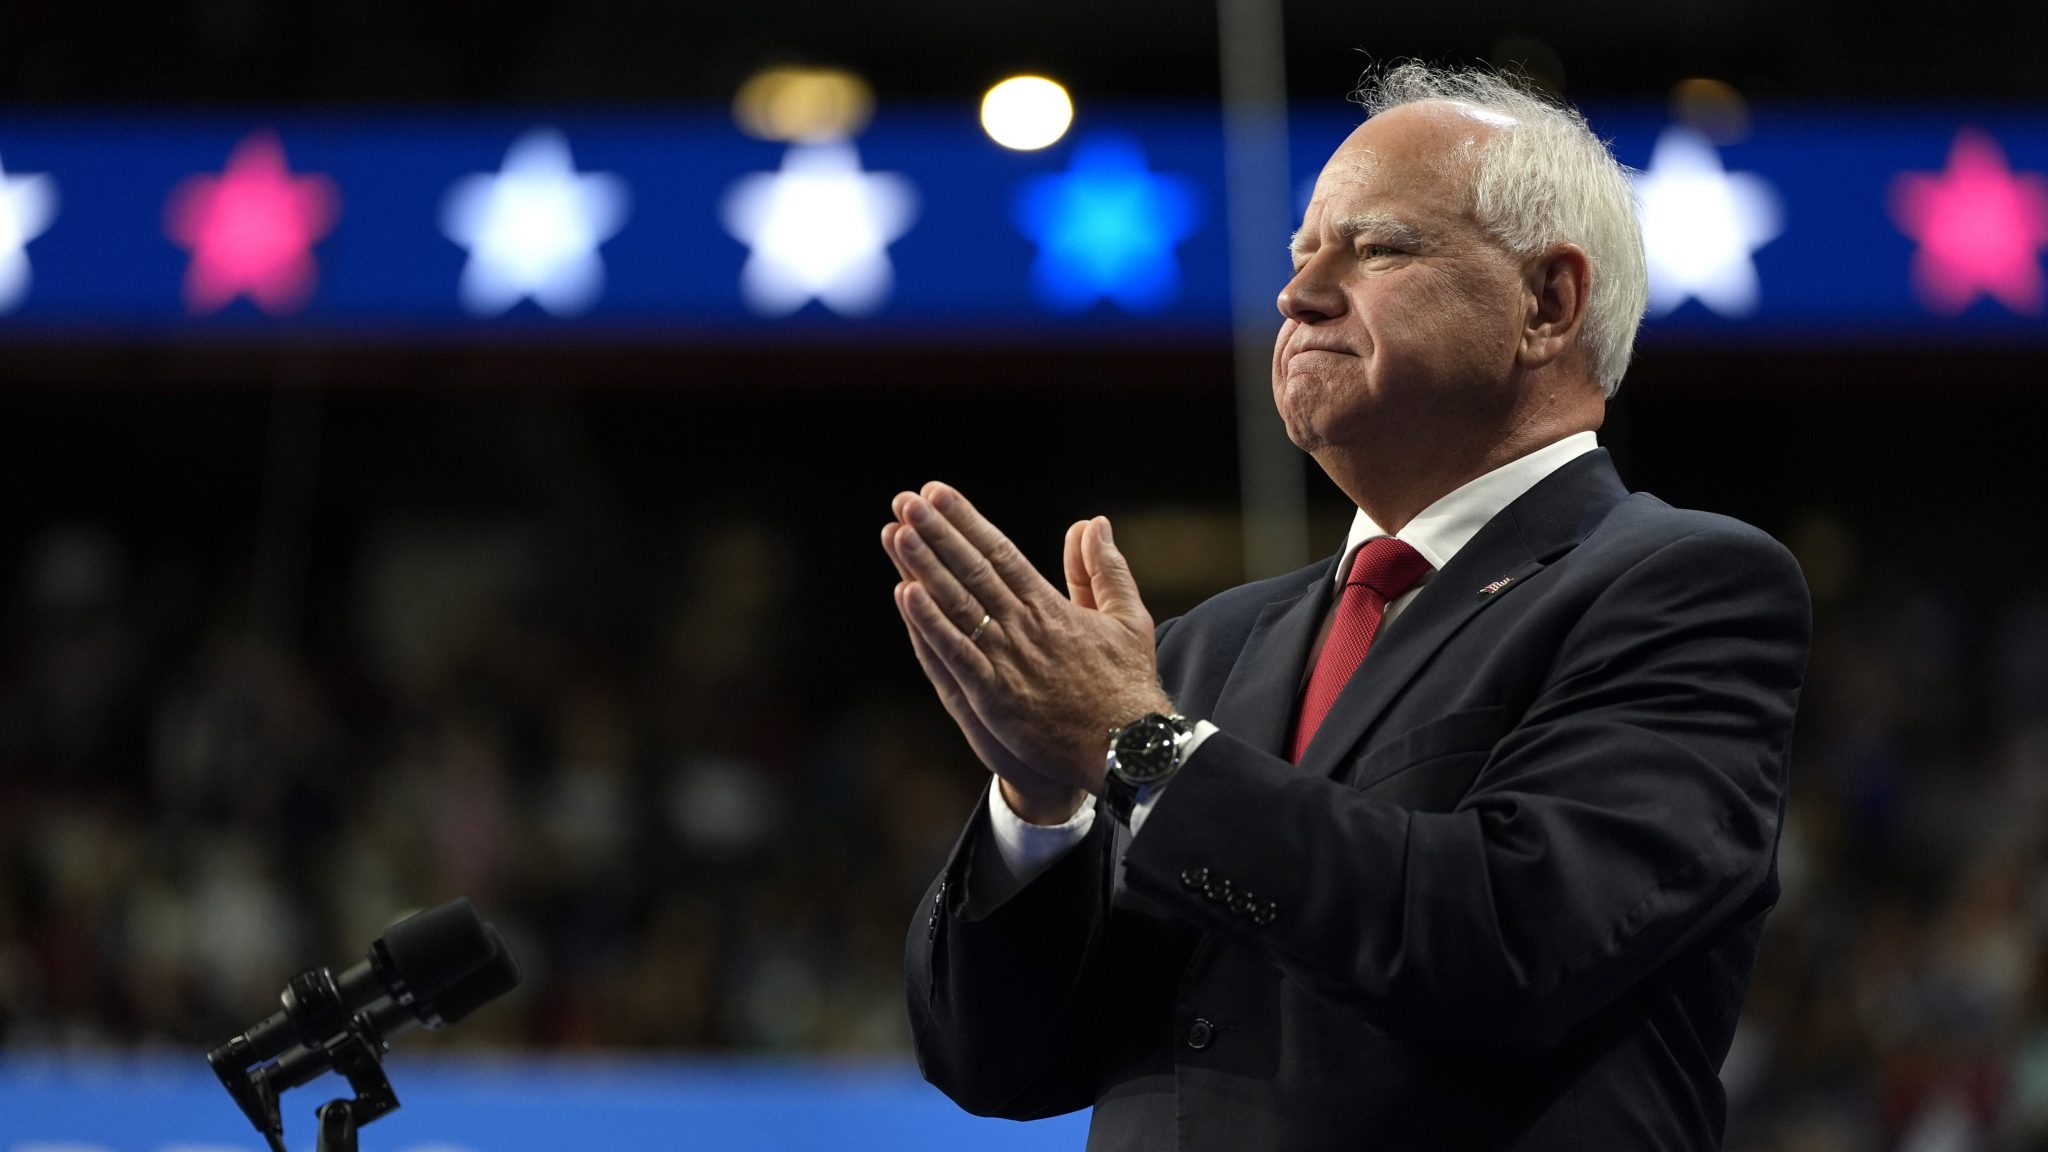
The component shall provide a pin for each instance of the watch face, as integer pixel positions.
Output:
(1144, 749)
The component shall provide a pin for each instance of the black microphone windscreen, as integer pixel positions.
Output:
(499, 975)
(430, 951)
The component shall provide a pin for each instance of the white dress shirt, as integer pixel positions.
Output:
(1437, 532)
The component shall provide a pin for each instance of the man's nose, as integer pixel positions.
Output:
(1311, 294)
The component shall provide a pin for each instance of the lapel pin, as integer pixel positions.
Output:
(1497, 585)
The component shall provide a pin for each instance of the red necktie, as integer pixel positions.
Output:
(1381, 571)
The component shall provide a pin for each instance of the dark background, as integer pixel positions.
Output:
(468, 51)
(297, 636)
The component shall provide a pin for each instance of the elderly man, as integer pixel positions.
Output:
(1462, 838)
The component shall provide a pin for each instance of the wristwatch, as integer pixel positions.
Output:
(1148, 750)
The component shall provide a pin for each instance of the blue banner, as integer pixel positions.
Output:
(1815, 223)
(164, 1104)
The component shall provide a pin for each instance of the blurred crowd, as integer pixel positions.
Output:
(1901, 1001)
(691, 847)
(679, 851)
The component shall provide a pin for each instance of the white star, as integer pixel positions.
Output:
(1700, 225)
(818, 229)
(532, 228)
(27, 205)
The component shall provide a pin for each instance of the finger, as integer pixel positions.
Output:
(993, 753)
(950, 697)
(1076, 566)
(934, 671)
(889, 532)
(892, 543)
(968, 664)
(925, 567)
(900, 506)
(1016, 572)
(1109, 576)
(964, 611)
(945, 548)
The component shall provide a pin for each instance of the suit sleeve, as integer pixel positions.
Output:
(1002, 991)
(1633, 809)
(998, 996)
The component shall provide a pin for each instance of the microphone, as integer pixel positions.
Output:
(389, 1018)
(417, 959)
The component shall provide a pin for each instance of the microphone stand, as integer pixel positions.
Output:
(355, 1054)
(337, 1127)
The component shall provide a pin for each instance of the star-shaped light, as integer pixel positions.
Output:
(1980, 227)
(533, 227)
(27, 205)
(1701, 225)
(818, 229)
(251, 229)
(1106, 228)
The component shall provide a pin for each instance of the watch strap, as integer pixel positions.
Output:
(1122, 797)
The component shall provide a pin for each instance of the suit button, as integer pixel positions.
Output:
(1242, 902)
(1201, 1034)
(1267, 913)
(1193, 877)
(1217, 889)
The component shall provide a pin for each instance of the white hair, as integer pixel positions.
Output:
(1543, 178)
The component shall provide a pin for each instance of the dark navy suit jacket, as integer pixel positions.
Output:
(1509, 899)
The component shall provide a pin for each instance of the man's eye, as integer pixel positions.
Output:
(1371, 251)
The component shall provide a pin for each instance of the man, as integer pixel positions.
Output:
(1462, 838)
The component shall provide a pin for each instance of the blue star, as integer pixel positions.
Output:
(1106, 228)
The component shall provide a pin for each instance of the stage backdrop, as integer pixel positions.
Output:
(1808, 223)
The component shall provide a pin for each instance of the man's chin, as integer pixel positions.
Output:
(1304, 433)
(1304, 401)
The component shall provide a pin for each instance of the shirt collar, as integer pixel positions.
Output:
(1441, 529)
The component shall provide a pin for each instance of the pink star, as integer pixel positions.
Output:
(251, 229)
(1979, 225)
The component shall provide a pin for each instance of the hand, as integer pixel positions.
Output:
(1030, 795)
(1049, 676)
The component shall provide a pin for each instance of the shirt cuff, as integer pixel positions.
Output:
(1148, 796)
(1026, 849)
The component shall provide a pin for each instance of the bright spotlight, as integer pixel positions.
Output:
(1026, 112)
(1711, 107)
(803, 105)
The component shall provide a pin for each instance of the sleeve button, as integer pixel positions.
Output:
(1242, 902)
(1193, 877)
(1201, 1034)
(1217, 889)
(1267, 913)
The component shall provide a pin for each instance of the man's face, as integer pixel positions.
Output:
(1402, 317)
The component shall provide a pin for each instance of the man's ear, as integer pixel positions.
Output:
(1556, 288)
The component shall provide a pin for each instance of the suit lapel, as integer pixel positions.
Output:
(1257, 701)
(1539, 526)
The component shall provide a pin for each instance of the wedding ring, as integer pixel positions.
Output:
(975, 636)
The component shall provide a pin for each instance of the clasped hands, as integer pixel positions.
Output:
(1038, 690)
